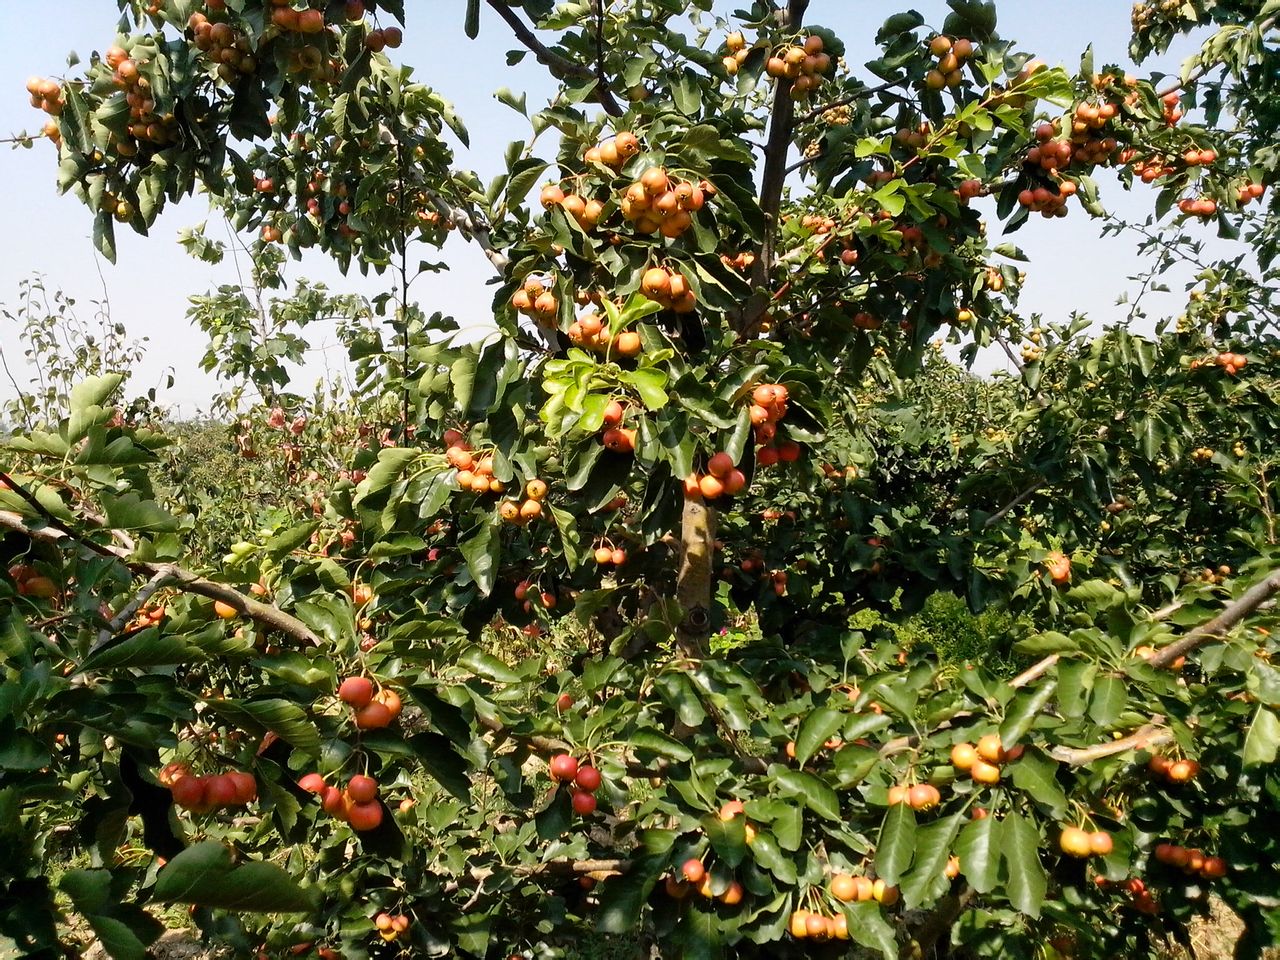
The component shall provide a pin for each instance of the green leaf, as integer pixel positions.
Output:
(1262, 738)
(285, 719)
(1108, 700)
(650, 384)
(657, 742)
(686, 92)
(290, 539)
(928, 880)
(622, 898)
(205, 874)
(94, 391)
(897, 843)
(818, 727)
(1022, 712)
(570, 542)
(978, 848)
(1036, 776)
(869, 927)
(1020, 850)
(481, 552)
(130, 512)
(487, 665)
(471, 25)
(816, 793)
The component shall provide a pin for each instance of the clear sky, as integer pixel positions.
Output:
(1072, 268)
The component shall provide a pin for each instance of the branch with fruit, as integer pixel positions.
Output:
(54, 531)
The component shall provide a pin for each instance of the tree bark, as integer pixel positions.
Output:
(693, 585)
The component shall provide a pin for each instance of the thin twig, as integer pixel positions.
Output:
(126, 612)
(555, 61)
(846, 100)
(1013, 504)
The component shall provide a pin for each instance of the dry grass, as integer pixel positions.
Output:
(1214, 937)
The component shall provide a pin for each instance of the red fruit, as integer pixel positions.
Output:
(583, 803)
(188, 792)
(245, 786)
(312, 783)
(362, 789)
(334, 803)
(219, 791)
(588, 779)
(563, 767)
(373, 717)
(564, 702)
(693, 870)
(788, 451)
(767, 456)
(356, 691)
(720, 465)
(365, 816)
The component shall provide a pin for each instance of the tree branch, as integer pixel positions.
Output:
(1035, 671)
(58, 533)
(553, 60)
(1013, 504)
(775, 157)
(1222, 624)
(1152, 734)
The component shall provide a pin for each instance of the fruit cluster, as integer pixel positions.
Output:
(1081, 843)
(373, 710)
(723, 478)
(528, 510)
(951, 56)
(742, 262)
(46, 95)
(384, 38)
(616, 152)
(545, 598)
(536, 300)
(1249, 192)
(206, 793)
(804, 64)
(669, 288)
(225, 46)
(982, 762)
(851, 889)
(768, 408)
(607, 555)
(658, 203)
(695, 876)
(1191, 862)
(920, 796)
(144, 123)
(391, 927)
(1198, 206)
(583, 780)
(590, 332)
(808, 925)
(1171, 104)
(356, 804)
(1174, 771)
(587, 213)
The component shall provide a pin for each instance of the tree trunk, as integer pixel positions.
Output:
(693, 587)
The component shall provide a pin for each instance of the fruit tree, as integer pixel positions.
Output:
(457, 684)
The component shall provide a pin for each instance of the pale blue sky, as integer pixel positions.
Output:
(149, 285)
